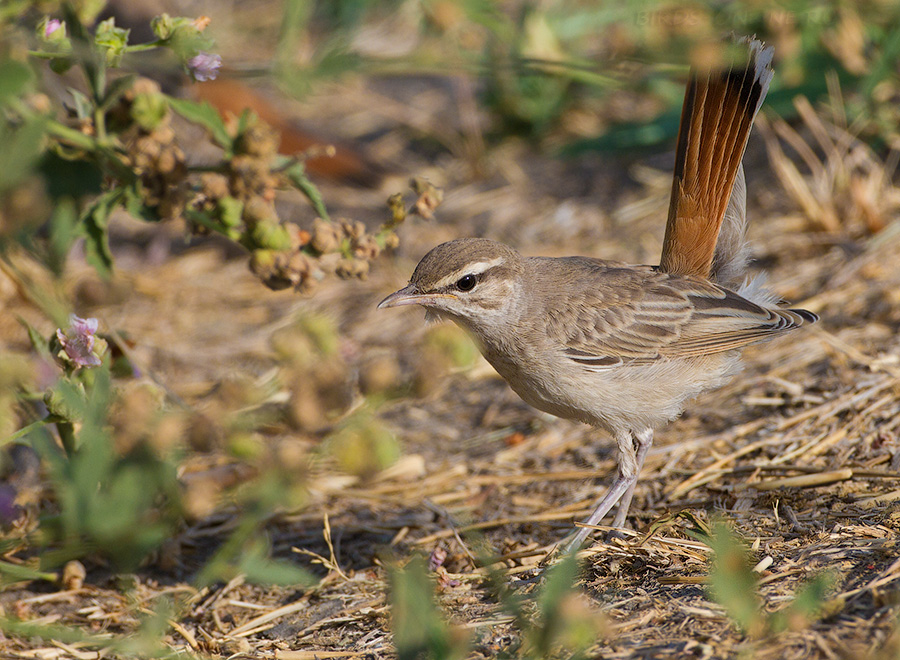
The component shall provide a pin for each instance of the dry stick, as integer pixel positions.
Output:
(281, 654)
(711, 471)
(879, 500)
(820, 444)
(68, 648)
(47, 598)
(890, 575)
(793, 181)
(854, 354)
(439, 482)
(499, 522)
(514, 479)
(252, 624)
(441, 511)
(801, 481)
(852, 427)
(833, 407)
(848, 274)
(728, 436)
(862, 473)
(824, 411)
(185, 633)
(216, 597)
(532, 477)
(343, 616)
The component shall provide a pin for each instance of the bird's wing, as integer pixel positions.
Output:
(634, 316)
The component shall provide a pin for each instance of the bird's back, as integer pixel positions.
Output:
(625, 346)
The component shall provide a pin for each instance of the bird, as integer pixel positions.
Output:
(624, 347)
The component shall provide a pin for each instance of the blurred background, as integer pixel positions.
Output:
(229, 188)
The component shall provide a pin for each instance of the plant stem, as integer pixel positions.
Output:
(25, 430)
(67, 436)
(139, 48)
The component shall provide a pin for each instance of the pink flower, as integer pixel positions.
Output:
(78, 341)
(51, 26)
(204, 66)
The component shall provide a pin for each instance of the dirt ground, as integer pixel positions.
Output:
(824, 404)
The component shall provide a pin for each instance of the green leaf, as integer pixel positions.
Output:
(76, 179)
(246, 552)
(294, 18)
(205, 115)
(333, 59)
(116, 89)
(733, 583)
(187, 40)
(15, 78)
(83, 108)
(38, 341)
(95, 228)
(18, 573)
(560, 581)
(149, 110)
(297, 175)
(883, 65)
(419, 629)
(809, 605)
(247, 119)
(21, 149)
(93, 65)
(120, 506)
(133, 202)
(63, 232)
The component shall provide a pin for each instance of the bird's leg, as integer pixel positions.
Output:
(624, 483)
(644, 440)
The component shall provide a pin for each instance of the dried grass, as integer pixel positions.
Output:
(801, 453)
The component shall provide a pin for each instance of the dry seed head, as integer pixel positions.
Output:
(352, 229)
(365, 247)
(142, 86)
(259, 140)
(214, 185)
(325, 237)
(258, 210)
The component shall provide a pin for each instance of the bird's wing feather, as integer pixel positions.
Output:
(643, 316)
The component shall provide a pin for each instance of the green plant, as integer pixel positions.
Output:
(554, 621)
(420, 630)
(119, 151)
(558, 620)
(734, 584)
(111, 501)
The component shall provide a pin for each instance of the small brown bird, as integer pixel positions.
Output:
(618, 346)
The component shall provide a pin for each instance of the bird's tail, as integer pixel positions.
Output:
(705, 228)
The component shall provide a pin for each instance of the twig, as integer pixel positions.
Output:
(800, 481)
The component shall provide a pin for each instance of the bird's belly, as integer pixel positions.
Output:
(628, 397)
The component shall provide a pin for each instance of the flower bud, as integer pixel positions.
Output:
(111, 41)
(52, 30)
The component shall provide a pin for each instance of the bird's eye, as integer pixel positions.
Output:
(466, 283)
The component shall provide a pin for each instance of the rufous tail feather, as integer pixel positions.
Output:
(716, 119)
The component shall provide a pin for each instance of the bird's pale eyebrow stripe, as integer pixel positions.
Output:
(475, 268)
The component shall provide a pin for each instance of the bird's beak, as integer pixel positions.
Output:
(409, 295)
